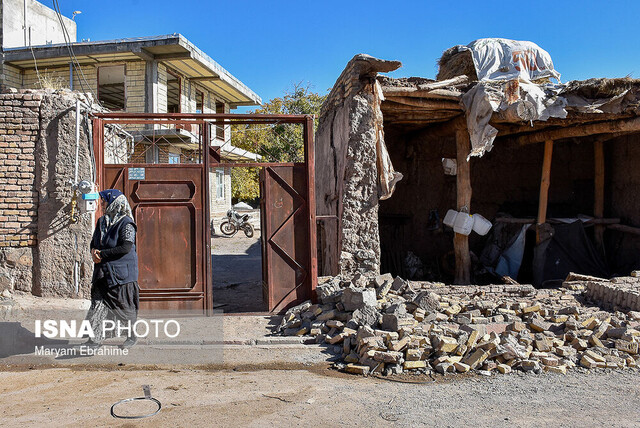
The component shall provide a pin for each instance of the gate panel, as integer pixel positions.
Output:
(287, 245)
(170, 202)
(167, 206)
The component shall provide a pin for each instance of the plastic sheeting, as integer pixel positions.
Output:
(504, 250)
(504, 59)
(487, 98)
(506, 69)
(568, 250)
(387, 176)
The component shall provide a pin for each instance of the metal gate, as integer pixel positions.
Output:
(170, 204)
(286, 243)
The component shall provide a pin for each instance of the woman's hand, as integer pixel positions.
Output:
(95, 255)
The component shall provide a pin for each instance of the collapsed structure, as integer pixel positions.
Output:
(550, 165)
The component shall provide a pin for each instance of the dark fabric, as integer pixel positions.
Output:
(568, 250)
(126, 240)
(119, 303)
(123, 300)
(110, 253)
(110, 195)
(116, 269)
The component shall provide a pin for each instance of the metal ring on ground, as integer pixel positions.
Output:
(127, 400)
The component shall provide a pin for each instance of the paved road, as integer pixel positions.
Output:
(237, 273)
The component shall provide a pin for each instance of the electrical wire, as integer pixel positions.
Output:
(74, 60)
(35, 63)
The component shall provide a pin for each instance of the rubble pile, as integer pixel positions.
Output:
(389, 325)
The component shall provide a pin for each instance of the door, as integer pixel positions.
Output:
(167, 203)
(287, 275)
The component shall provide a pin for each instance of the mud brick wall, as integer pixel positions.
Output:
(40, 248)
(505, 180)
(622, 181)
(618, 294)
(346, 171)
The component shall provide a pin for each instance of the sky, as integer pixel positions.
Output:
(272, 45)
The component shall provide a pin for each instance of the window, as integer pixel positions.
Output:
(199, 101)
(173, 92)
(220, 128)
(111, 92)
(174, 158)
(219, 183)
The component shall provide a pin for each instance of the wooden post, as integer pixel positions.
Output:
(463, 182)
(598, 192)
(544, 186)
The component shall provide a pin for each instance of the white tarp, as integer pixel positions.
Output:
(503, 59)
(500, 64)
(488, 97)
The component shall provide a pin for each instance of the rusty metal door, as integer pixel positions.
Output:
(167, 204)
(286, 246)
(171, 204)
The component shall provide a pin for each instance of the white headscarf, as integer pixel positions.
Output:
(116, 211)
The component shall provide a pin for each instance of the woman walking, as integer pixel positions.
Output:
(114, 290)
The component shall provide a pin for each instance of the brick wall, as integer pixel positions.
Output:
(58, 77)
(11, 76)
(135, 75)
(162, 89)
(19, 126)
(41, 250)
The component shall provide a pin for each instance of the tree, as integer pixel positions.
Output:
(275, 143)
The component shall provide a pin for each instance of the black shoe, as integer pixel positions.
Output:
(131, 340)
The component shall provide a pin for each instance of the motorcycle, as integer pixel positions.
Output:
(235, 222)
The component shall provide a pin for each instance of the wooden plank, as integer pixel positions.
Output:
(608, 127)
(544, 183)
(514, 220)
(446, 94)
(425, 87)
(598, 192)
(463, 182)
(625, 229)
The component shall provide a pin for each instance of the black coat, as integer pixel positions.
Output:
(118, 270)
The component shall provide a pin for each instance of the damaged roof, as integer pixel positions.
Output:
(500, 108)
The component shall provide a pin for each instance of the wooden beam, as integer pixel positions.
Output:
(428, 104)
(514, 220)
(545, 180)
(447, 94)
(625, 229)
(585, 130)
(201, 78)
(598, 192)
(463, 190)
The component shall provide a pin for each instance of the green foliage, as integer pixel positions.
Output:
(275, 143)
(244, 184)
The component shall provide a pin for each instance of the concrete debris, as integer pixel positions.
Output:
(389, 325)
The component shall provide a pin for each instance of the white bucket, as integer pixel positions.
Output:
(463, 224)
(481, 225)
(450, 218)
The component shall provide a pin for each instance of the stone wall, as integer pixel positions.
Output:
(41, 251)
(346, 170)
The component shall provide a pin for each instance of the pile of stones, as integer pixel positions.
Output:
(388, 325)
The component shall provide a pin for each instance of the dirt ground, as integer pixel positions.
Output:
(317, 396)
(237, 273)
